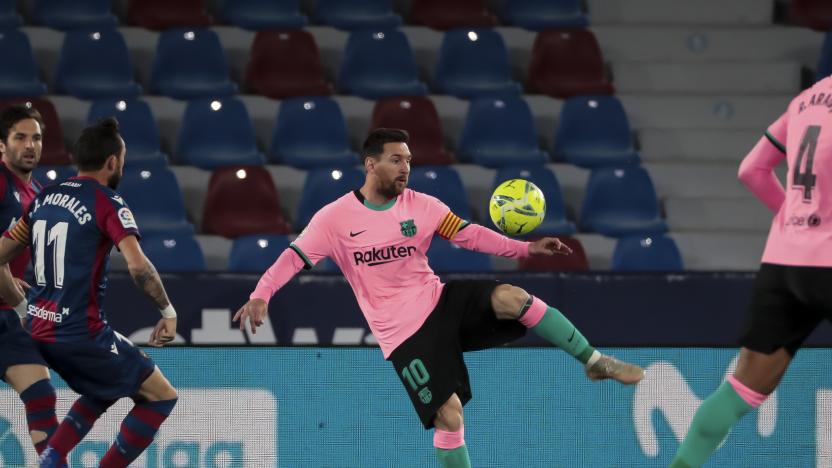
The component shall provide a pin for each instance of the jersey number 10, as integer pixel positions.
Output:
(56, 238)
(806, 179)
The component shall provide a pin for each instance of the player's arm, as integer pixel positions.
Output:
(12, 243)
(757, 169)
(287, 265)
(481, 239)
(147, 279)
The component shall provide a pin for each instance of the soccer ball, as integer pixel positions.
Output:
(517, 206)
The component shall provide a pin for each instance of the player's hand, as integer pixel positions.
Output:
(549, 246)
(255, 310)
(22, 284)
(163, 333)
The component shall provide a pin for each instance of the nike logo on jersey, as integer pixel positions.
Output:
(118, 199)
(353, 234)
(113, 349)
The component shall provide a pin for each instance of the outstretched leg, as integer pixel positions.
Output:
(757, 375)
(75, 426)
(31, 382)
(449, 437)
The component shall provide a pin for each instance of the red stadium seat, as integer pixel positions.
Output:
(816, 14)
(567, 63)
(165, 14)
(240, 201)
(418, 116)
(286, 63)
(449, 14)
(54, 148)
(576, 261)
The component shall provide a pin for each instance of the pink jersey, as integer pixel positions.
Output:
(381, 252)
(801, 232)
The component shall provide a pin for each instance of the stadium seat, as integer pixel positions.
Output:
(54, 149)
(159, 15)
(652, 253)
(540, 15)
(445, 257)
(174, 253)
(285, 64)
(240, 201)
(9, 17)
(357, 14)
(444, 183)
(417, 115)
(21, 79)
(474, 63)
(815, 14)
(77, 14)
(378, 64)
(51, 175)
(449, 14)
(323, 186)
(500, 132)
(576, 261)
(555, 222)
(825, 61)
(311, 132)
(594, 131)
(216, 133)
(256, 253)
(136, 125)
(95, 65)
(263, 14)
(621, 202)
(190, 64)
(567, 63)
(156, 200)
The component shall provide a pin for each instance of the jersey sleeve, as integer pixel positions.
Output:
(445, 223)
(114, 218)
(20, 231)
(313, 243)
(777, 132)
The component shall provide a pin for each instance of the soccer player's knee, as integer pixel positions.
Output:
(508, 301)
(449, 416)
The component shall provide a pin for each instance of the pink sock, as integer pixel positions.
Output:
(449, 440)
(534, 315)
(753, 398)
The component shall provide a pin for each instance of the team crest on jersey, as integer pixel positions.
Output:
(408, 228)
(126, 218)
(425, 395)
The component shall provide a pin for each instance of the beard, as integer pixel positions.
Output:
(390, 190)
(114, 180)
(15, 159)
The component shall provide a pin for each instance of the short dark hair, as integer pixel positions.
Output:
(96, 143)
(374, 144)
(15, 113)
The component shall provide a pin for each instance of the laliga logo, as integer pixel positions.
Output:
(664, 389)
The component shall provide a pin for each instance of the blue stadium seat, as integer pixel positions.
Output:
(555, 222)
(190, 63)
(217, 133)
(95, 65)
(357, 14)
(445, 257)
(378, 64)
(256, 253)
(174, 253)
(51, 175)
(263, 14)
(136, 125)
(500, 132)
(21, 79)
(9, 18)
(594, 131)
(474, 63)
(311, 132)
(825, 61)
(444, 183)
(324, 186)
(76, 14)
(156, 200)
(651, 253)
(621, 202)
(539, 15)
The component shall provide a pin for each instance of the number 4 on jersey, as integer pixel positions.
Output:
(808, 146)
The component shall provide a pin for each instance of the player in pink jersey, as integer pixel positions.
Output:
(791, 290)
(378, 236)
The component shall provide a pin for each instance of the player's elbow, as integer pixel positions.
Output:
(746, 172)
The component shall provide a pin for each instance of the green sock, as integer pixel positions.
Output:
(454, 458)
(711, 424)
(559, 331)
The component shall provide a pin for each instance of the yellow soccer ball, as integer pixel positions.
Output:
(517, 206)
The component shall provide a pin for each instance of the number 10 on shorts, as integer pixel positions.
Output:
(416, 375)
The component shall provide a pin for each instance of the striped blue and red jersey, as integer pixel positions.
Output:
(71, 228)
(15, 197)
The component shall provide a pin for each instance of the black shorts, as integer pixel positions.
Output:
(430, 362)
(788, 304)
(16, 345)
